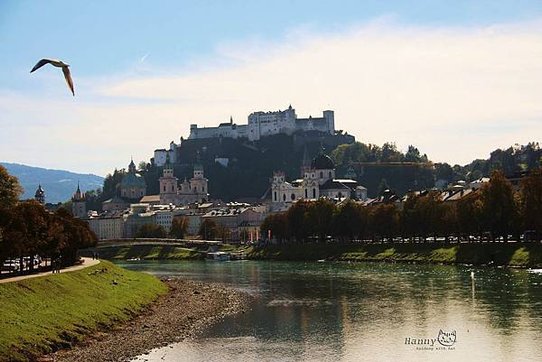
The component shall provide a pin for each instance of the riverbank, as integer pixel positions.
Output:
(146, 251)
(187, 308)
(41, 315)
(520, 255)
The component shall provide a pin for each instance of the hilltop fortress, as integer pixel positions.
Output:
(261, 124)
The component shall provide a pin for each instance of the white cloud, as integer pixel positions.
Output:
(455, 93)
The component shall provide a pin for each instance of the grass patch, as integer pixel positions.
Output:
(507, 254)
(40, 315)
(148, 252)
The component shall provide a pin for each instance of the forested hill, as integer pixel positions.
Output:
(383, 167)
(238, 169)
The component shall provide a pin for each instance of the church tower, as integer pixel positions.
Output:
(198, 184)
(79, 206)
(168, 185)
(40, 195)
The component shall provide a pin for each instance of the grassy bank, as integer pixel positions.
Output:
(147, 252)
(42, 314)
(509, 254)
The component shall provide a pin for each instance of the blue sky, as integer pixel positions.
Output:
(145, 70)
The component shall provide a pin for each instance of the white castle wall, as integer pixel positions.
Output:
(160, 155)
(262, 124)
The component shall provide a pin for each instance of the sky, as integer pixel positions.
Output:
(457, 79)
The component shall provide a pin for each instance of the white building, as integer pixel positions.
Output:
(162, 154)
(261, 124)
(108, 226)
(318, 181)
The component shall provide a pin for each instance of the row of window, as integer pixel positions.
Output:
(173, 188)
(293, 197)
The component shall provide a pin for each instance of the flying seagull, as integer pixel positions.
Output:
(59, 64)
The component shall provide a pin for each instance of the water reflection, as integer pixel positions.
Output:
(366, 311)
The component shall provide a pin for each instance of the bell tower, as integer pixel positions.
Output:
(79, 205)
(168, 184)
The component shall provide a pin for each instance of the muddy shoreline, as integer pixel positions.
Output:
(181, 313)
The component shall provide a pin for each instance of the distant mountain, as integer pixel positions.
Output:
(59, 185)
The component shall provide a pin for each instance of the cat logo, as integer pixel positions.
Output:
(447, 339)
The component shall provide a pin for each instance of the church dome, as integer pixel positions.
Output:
(322, 162)
(132, 180)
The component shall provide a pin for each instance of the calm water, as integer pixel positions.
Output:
(365, 312)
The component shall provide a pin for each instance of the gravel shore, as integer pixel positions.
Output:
(187, 308)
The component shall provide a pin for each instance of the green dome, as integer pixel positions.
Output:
(132, 180)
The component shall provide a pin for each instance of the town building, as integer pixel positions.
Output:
(139, 215)
(261, 124)
(241, 220)
(108, 226)
(318, 181)
(115, 204)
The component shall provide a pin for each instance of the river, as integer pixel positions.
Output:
(365, 312)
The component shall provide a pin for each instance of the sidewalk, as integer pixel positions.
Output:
(86, 263)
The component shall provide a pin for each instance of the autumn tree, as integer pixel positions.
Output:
(10, 189)
(531, 202)
(319, 218)
(469, 212)
(350, 221)
(179, 227)
(383, 220)
(499, 206)
(297, 225)
(208, 229)
(277, 224)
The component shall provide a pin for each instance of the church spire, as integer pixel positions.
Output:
(40, 195)
(132, 166)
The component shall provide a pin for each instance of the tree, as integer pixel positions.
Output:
(319, 218)
(111, 184)
(26, 230)
(277, 224)
(10, 189)
(469, 215)
(531, 202)
(499, 206)
(75, 234)
(444, 171)
(179, 226)
(383, 220)
(429, 214)
(208, 230)
(296, 220)
(350, 221)
(151, 231)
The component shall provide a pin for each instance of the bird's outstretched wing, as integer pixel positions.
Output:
(68, 77)
(40, 64)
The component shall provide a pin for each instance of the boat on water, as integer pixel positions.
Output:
(218, 256)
